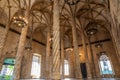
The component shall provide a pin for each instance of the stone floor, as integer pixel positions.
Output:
(79, 79)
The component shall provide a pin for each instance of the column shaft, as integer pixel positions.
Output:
(43, 66)
(48, 53)
(76, 52)
(26, 65)
(19, 55)
(29, 64)
(92, 58)
(71, 63)
(62, 51)
(2, 44)
(56, 41)
(86, 56)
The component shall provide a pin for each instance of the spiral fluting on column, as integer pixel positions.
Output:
(56, 41)
(19, 55)
(56, 51)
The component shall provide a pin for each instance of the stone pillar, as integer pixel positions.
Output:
(26, 65)
(43, 66)
(62, 51)
(97, 68)
(92, 59)
(29, 64)
(23, 65)
(2, 44)
(76, 51)
(86, 56)
(50, 66)
(56, 41)
(19, 55)
(71, 63)
(48, 53)
(4, 39)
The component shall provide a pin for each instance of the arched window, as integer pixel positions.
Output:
(36, 66)
(105, 65)
(66, 67)
(7, 69)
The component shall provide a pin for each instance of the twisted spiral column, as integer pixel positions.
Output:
(56, 41)
(19, 55)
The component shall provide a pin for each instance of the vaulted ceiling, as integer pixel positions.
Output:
(41, 16)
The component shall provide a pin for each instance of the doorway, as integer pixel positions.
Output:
(83, 70)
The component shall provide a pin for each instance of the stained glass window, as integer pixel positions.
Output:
(7, 69)
(105, 65)
(36, 66)
(66, 67)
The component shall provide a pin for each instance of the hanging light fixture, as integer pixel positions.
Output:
(103, 52)
(98, 45)
(19, 18)
(69, 49)
(91, 28)
(29, 43)
(72, 2)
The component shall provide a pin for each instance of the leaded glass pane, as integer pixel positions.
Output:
(105, 65)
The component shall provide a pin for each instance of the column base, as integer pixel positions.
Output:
(56, 76)
(94, 76)
(78, 76)
(89, 77)
(47, 75)
(62, 76)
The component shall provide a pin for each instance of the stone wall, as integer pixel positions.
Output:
(110, 51)
(108, 47)
(11, 48)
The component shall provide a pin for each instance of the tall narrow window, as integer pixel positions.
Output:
(105, 65)
(66, 67)
(36, 66)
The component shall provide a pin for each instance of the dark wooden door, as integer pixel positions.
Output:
(83, 70)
